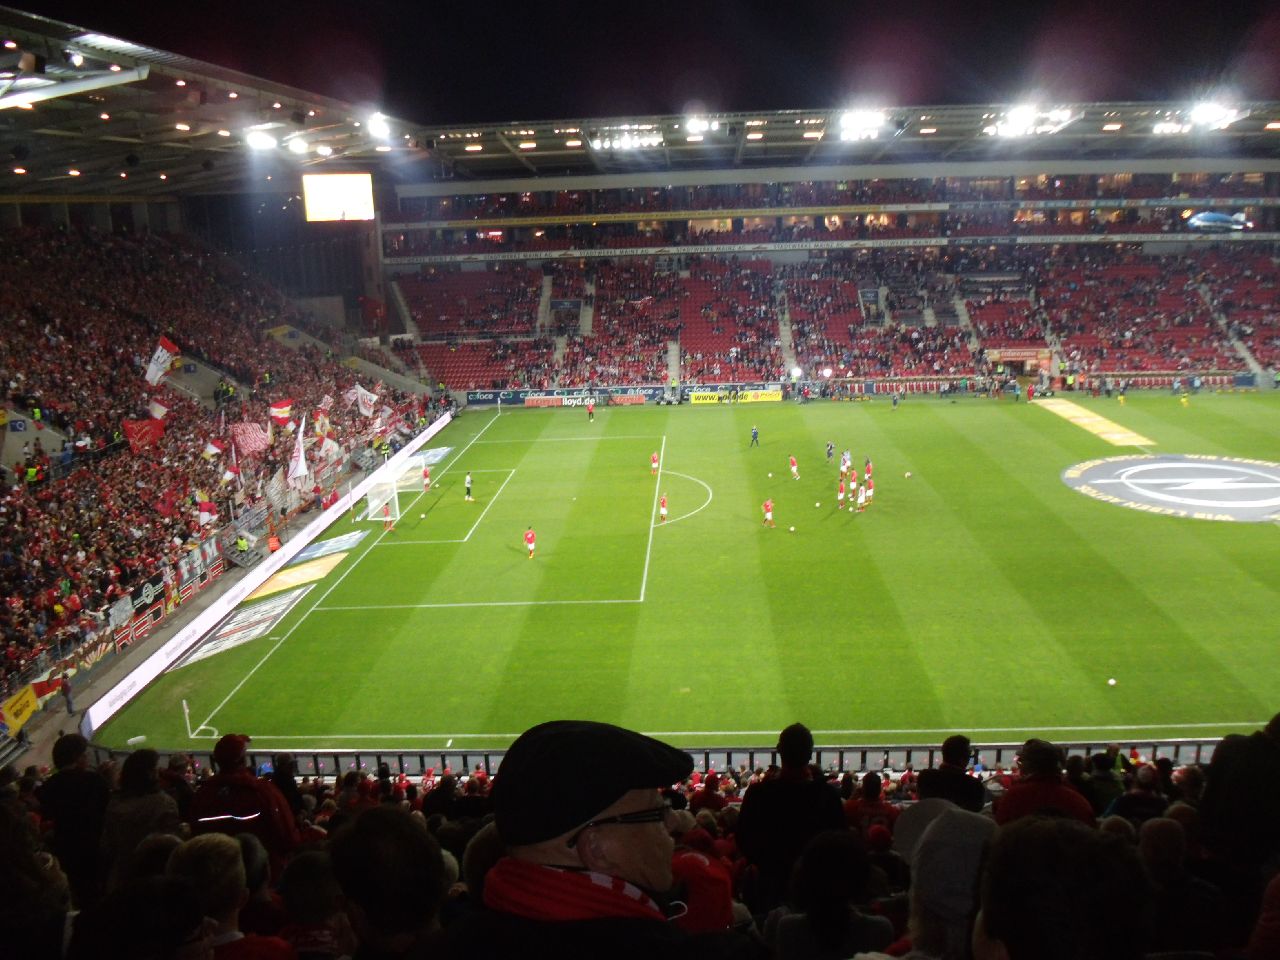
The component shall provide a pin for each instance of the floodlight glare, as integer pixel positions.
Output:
(861, 124)
(796, 372)
(298, 145)
(1213, 116)
(697, 125)
(378, 126)
(260, 140)
(324, 150)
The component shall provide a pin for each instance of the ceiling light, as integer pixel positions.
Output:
(10, 45)
(694, 138)
(528, 145)
(123, 175)
(298, 145)
(378, 126)
(180, 83)
(1273, 125)
(382, 148)
(224, 133)
(311, 113)
(925, 131)
(1112, 127)
(1170, 126)
(232, 95)
(573, 143)
(73, 172)
(19, 170)
(164, 176)
(114, 68)
(757, 135)
(182, 126)
(473, 148)
(276, 105)
(75, 58)
(813, 134)
(104, 116)
(324, 150)
(260, 140)
(1214, 116)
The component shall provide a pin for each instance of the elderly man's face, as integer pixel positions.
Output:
(638, 852)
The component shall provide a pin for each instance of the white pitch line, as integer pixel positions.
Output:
(492, 501)
(773, 733)
(706, 503)
(355, 563)
(475, 603)
(415, 543)
(572, 439)
(653, 509)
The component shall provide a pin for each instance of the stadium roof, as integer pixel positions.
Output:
(134, 121)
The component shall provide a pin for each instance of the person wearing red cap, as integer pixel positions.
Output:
(234, 801)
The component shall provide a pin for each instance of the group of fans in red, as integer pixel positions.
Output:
(858, 489)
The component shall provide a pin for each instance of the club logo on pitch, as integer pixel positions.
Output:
(1176, 485)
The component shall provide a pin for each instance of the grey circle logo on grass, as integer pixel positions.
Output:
(1177, 485)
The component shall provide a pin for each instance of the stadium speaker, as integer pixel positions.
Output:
(131, 160)
(20, 151)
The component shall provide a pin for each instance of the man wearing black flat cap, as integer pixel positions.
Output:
(588, 859)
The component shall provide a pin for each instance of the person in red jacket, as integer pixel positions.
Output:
(234, 801)
(1040, 788)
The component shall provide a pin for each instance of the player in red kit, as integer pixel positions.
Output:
(867, 464)
(529, 538)
(840, 495)
(426, 479)
(387, 523)
(871, 488)
(767, 507)
(795, 470)
(653, 464)
(662, 508)
(591, 411)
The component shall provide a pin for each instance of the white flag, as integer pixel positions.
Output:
(298, 462)
(161, 360)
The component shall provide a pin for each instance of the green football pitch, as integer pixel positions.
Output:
(978, 594)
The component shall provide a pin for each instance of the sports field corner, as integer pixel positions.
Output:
(982, 593)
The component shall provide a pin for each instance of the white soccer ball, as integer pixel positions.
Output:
(424, 516)
(793, 529)
(817, 504)
(1111, 682)
(908, 474)
(771, 476)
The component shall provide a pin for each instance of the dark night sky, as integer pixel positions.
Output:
(445, 63)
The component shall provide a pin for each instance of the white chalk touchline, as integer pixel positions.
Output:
(772, 733)
(653, 509)
(570, 439)
(476, 603)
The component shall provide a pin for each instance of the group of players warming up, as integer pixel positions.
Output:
(857, 489)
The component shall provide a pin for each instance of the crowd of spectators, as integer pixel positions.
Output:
(1110, 855)
(758, 196)
(86, 518)
(474, 302)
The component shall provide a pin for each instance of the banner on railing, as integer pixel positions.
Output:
(17, 710)
(566, 398)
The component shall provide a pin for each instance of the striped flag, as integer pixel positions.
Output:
(157, 408)
(282, 411)
(249, 437)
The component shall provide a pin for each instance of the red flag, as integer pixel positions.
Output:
(142, 433)
(282, 411)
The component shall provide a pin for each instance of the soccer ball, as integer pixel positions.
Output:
(792, 529)
(817, 504)
(1111, 682)
(771, 476)
(424, 516)
(908, 474)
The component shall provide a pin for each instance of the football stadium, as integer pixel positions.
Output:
(831, 449)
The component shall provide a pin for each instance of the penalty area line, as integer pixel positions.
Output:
(475, 603)
(653, 509)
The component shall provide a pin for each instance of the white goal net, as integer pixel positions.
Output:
(388, 493)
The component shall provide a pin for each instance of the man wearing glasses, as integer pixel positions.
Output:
(588, 864)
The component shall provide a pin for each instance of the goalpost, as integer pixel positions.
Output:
(387, 493)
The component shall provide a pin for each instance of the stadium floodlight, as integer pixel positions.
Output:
(1213, 116)
(1025, 120)
(324, 150)
(260, 140)
(697, 125)
(378, 126)
(861, 124)
(298, 146)
(1170, 126)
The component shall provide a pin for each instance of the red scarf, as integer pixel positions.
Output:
(539, 892)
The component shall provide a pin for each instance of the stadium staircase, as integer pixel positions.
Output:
(673, 363)
(930, 318)
(403, 311)
(544, 306)
(587, 312)
(784, 330)
(966, 323)
(558, 355)
(1256, 368)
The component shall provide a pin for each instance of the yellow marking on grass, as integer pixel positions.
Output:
(303, 573)
(1099, 426)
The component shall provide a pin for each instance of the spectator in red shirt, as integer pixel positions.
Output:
(868, 808)
(1041, 788)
